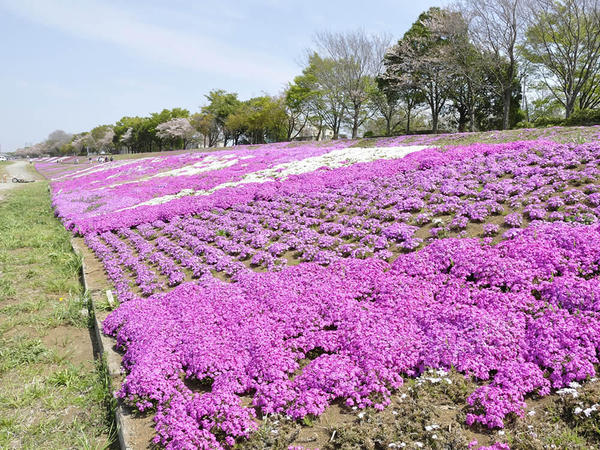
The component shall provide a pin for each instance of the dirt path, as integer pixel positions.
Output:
(18, 169)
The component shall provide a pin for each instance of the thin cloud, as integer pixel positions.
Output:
(180, 49)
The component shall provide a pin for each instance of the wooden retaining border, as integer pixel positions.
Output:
(135, 430)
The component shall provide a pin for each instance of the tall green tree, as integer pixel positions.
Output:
(387, 102)
(563, 41)
(496, 27)
(220, 105)
(297, 101)
(420, 60)
(322, 76)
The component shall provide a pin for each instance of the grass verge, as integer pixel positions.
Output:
(53, 393)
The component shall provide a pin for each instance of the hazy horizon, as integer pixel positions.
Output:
(74, 65)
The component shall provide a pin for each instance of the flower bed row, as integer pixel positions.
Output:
(522, 314)
(490, 195)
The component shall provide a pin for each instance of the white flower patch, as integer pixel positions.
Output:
(206, 165)
(434, 377)
(93, 169)
(333, 159)
(588, 411)
(568, 391)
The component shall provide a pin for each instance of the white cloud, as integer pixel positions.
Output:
(187, 49)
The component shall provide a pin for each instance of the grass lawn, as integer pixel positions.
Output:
(53, 393)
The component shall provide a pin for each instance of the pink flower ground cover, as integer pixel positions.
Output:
(381, 293)
(100, 191)
(522, 314)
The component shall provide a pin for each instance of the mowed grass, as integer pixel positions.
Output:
(53, 394)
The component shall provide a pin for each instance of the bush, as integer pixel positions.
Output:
(584, 117)
(581, 117)
(524, 124)
(547, 122)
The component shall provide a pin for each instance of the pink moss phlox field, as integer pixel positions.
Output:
(489, 174)
(349, 323)
(104, 189)
(522, 315)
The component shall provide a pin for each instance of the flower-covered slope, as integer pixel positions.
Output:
(526, 310)
(126, 192)
(484, 258)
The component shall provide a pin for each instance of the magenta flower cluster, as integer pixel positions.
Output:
(350, 322)
(522, 314)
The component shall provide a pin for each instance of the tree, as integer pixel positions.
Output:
(563, 40)
(178, 129)
(316, 103)
(463, 60)
(387, 102)
(420, 61)
(165, 115)
(258, 120)
(496, 27)
(206, 123)
(82, 142)
(127, 138)
(322, 76)
(56, 140)
(297, 103)
(220, 105)
(101, 138)
(355, 58)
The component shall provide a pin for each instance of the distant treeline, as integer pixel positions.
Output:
(481, 65)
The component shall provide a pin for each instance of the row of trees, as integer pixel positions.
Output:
(483, 64)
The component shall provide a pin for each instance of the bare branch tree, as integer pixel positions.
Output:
(496, 26)
(358, 57)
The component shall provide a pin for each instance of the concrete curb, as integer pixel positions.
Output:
(105, 347)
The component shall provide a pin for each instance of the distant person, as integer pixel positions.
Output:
(111, 159)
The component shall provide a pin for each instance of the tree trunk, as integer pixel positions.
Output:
(569, 106)
(355, 123)
(506, 108)
(408, 112)
(462, 122)
(472, 119)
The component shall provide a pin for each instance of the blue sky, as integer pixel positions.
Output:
(72, 65)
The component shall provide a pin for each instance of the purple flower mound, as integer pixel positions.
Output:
(523, 314)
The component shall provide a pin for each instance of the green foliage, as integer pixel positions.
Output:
(578, 118)
(583, 117)
(143, 137)
(52, 394)
(258, 120)
(563, 43)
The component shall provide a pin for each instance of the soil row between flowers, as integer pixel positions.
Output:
(134, 430)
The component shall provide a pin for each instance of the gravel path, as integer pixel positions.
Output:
(18, 169)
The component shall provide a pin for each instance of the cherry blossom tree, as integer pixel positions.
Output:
(175, 129)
